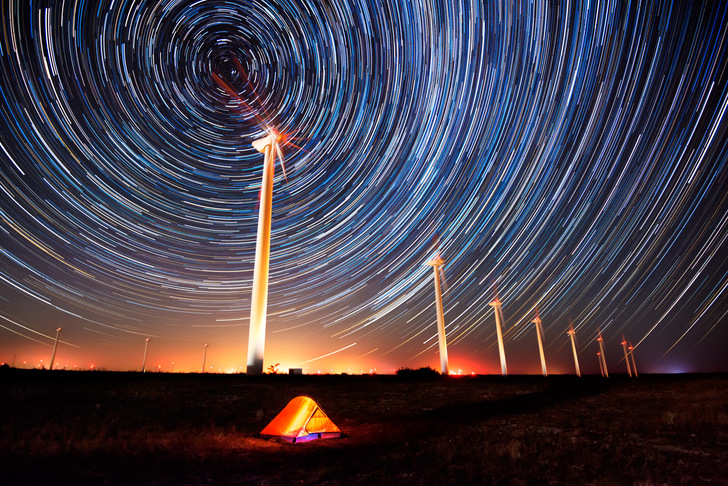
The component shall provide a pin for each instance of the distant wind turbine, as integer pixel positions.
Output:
(631, 353)
(496, 304)
(601, 367)
(539, 333)
(144, 361)
(204, 358)
(55, 345)
(436, 264)
(626, 356)
(602, 357)
(571, 334)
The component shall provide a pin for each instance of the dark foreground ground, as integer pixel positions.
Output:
(129, 428)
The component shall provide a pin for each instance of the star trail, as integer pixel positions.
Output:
(565, 156)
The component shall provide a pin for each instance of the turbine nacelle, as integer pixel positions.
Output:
(436, 262)
(271, 140)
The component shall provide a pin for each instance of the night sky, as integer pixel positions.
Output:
(570, 157)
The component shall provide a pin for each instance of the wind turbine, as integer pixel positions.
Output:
(270, 146)
(539, 333)
(631, 353)
(55, 345)
(496, 304)
(626, 356)
(601, 367)
(144, 361)
(571, 334)
(602, 358)
(436, 264)
(204, 358)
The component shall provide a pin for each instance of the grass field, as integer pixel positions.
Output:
(131, 428)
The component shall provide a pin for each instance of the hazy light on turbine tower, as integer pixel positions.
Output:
(571, 333)
(436, 263)
(496, 304)
(259, 302)
(539, 334)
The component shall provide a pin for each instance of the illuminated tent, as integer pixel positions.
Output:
(302, 420)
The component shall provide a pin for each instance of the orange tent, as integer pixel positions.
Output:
(300, 421)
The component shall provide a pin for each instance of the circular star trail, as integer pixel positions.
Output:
(569, 157)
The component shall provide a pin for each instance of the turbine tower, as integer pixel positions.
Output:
(144, 361)
(436, 263)
(631, 353)
(602, 358)
(601, 367)
(626, 356)
(55, 345)
(539, 333)
(496, 304)
(204, 358)
(571, 334)
(268, 145)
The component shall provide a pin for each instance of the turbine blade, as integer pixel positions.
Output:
(444, 280)
(233, 94)
(289, 142)
(280, 156)
(242, 72)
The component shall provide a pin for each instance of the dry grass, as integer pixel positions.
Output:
(127, 428)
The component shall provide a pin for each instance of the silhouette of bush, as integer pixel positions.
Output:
(425, 372)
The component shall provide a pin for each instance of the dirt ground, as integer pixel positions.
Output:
(131, 428)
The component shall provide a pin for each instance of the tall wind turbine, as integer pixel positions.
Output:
(436, 264)
(496, 304)
(571, 334)
(539, 333)
(602, 358)
(626, 356)
(268, 145)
